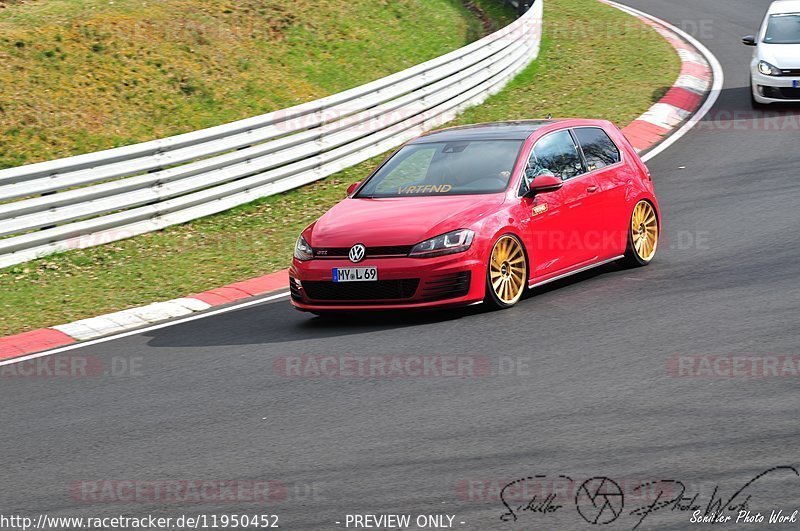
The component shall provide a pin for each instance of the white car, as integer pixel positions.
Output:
(775, 68)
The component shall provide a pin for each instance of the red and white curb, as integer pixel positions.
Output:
(699, 81)
(141, 316)
(692, 96)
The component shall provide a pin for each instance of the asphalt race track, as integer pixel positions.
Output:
(582, 379)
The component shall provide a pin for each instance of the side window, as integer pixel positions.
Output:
(598, 149)
(556, 153)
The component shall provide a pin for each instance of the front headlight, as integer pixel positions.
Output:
(453, 242)
(302, 250)
(767, 69)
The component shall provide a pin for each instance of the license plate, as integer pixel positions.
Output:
(355, 274)
(797, 83)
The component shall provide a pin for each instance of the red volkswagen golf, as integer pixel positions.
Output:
(478, 214)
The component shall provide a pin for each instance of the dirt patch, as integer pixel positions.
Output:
(487, 25)
(8, 3)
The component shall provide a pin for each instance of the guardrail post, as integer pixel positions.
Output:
(48, 226)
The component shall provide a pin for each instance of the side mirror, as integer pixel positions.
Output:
(749, 40)
(352, 188)
(544, 183)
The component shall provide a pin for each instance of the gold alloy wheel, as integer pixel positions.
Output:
(507, 269)
(644, 231)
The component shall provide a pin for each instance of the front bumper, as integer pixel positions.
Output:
(775, 89)
(403, 283)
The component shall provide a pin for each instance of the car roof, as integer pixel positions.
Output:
(517, 130)
(784, 6)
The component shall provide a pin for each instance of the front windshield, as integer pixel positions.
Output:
(445, 168)
(783, 29)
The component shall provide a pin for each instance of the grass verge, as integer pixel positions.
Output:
(595, 61)
(83, 75)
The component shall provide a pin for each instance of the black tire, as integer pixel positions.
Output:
(491, 298)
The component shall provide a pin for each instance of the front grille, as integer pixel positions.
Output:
(790, 71)
(782, 93)
(339, 252)
(446, 286)
(361, 291)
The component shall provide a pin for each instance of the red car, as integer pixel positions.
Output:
(478, 213)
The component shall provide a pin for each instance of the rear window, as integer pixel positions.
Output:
(598, 149)
(783, 29)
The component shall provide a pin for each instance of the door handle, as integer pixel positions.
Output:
(591, 189)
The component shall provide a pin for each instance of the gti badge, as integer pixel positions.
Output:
(357, 253)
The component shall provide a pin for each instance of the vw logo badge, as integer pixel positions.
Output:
(357, 253)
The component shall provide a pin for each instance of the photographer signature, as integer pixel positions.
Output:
(600, 500)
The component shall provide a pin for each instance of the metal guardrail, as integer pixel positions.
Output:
(101, 197)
